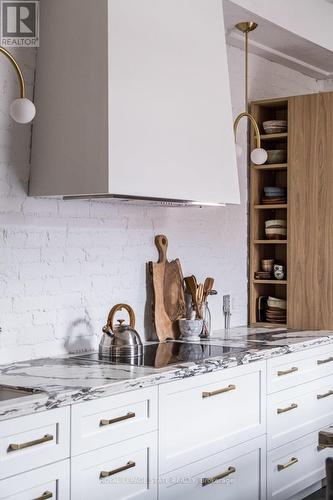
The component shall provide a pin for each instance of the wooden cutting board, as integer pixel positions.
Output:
(169, 300)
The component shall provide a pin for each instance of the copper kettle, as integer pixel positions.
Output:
(122, 340)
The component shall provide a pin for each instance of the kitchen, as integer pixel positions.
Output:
(96, 207)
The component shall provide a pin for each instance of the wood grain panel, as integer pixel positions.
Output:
(310, 214)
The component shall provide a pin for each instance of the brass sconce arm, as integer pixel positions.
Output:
(254, 123)
(17, 69)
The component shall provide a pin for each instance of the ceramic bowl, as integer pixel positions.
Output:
(276, 233)
(276, 156)
(190, 327)
(275, 126)
(277, 303)
(267, 265)
(279, 223)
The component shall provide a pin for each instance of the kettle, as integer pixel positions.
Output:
(120, 342)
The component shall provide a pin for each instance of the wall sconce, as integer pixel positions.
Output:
(22, 110)
(258, 155)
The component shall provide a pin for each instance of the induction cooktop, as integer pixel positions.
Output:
(159, 355)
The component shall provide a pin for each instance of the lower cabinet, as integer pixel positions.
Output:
(124, 470)
(295, 466)
(234, 474)
(49, 482)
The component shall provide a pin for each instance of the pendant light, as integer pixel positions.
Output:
(22, 110)
(258, 155)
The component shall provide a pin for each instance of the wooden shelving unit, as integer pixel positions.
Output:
(261, 176)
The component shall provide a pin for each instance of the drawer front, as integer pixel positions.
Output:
(203, 415)
(234, 474)
(109, 420)
(295, 466)
(33, 441)
(49, 482)
(298, 411)
(124, 470)
(297, 368)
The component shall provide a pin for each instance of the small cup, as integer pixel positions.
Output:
(267, 265)
(190, 328)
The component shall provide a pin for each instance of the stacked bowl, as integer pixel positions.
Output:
(274, 195)
(275, 126)
(276, 229)
(276, 311)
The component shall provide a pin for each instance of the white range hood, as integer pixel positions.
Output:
(134, 103)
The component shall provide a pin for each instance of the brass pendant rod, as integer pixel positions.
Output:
(246, 71)
(17, 69)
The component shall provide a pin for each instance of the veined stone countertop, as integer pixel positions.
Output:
(69, 380)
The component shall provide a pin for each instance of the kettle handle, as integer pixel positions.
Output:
(119, 307)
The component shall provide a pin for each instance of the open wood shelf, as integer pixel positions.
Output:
(270, 242)
(274, 137)
(271, 166)
(270, 282)
(262, 176)
(271, 207)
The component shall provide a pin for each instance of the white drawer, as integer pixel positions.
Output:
(109, 420)
(49, 482)
(33, 441)
(234, 474)
(206, 414)
(299, 367)
(295, 466)
(297, 411)
(124, 470)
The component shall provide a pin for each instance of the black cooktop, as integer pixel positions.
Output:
(159, 355)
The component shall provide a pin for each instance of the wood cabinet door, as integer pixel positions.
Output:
(310, 214)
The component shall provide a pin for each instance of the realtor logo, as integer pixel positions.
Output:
(19, 23)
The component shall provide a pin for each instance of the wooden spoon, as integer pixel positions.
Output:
(208, 287)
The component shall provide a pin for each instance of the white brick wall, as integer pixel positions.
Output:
(64, 264)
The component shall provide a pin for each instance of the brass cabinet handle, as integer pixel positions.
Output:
(45, 495)
(117, 419)
(286, 372)
(323, 361)
(44, 439)
(292, 461)
(209, 480)
(104, 473)
(322, 396)
(230, 387)
(289, 408)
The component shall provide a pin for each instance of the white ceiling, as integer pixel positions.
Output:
(277, 44)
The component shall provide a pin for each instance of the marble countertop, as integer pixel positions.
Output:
(69, 380)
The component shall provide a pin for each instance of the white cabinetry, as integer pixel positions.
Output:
(206, 414)
(133, 99)
(49, 482)
(124, 470)
(109, 420)
(234, 474)
(33, 441)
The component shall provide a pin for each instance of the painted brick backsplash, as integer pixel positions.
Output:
(63, 264)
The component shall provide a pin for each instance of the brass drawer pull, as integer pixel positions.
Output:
(45, 439)
(45, 495)
(105, 473)
(289, 408)
(293, 461)
(209, 480)
(117, 419)
(322, 396)
(286, 372)
(323, 361)
(230, 387)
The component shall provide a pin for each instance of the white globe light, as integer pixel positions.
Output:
(259, 156)
(239, 150)
(22, 110)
